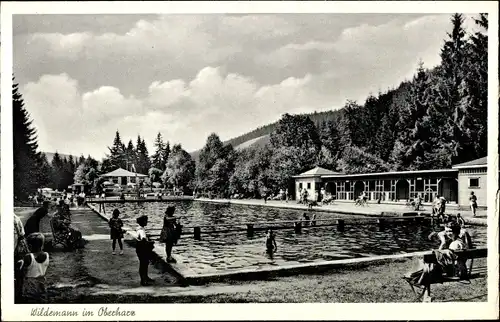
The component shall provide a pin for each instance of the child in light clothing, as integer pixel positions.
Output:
(34, 266)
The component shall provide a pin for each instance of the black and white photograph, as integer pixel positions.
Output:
(249, 156)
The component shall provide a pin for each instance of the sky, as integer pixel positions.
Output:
(83, 77)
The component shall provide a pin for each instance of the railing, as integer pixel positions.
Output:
(297, 225)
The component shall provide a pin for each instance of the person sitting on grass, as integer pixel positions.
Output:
(116, 231)
(143, 249)
(33, 267)
(62, 226)
(271, 246)
(169, 233)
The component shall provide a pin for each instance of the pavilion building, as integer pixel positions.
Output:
(123, 177)
(454, 184)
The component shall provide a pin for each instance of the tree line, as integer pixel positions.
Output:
(435, 120)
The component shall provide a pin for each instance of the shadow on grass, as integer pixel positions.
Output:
(467, 299)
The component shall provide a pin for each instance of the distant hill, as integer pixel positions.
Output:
(50, 156)
(261, 135)
(260, 141)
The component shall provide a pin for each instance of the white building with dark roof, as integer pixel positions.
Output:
(472, 177)
(123, 177)
(454, 184)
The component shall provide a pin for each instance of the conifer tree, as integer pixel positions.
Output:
(27, 160)
(57, 171)
(166, 153)
(143, 161)
(117, 153)
(474, 94)
(416, 130)
(158, 158)
(130, 155)
(452, 73)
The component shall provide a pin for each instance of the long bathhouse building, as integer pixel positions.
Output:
(454, 184)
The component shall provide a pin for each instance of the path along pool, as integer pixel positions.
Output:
(218, 252)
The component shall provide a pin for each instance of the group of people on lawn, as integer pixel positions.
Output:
(453, 238)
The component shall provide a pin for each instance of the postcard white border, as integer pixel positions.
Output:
(376, 311)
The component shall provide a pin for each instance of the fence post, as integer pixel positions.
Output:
(298, 227)
(250, 230)
(340, 225)
(197, 233)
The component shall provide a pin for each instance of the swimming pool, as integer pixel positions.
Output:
(235, 250)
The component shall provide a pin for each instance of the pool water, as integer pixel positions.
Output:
(235, 250)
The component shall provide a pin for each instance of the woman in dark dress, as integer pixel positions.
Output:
(33, 223)
(169, 233)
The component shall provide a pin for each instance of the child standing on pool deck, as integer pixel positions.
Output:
(116, 231)
(270, 242)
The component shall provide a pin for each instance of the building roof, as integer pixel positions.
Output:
(317, 172)
(481, 162)
(416, 172)
(122, 173)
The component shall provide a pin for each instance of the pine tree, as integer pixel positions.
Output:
(44, 171)
(452, 76)
(116, 156)
(27, 160)
(130, 155)
(57, 171)
(143, 161)
(474, 94)
(158, 158)
(166, 153)
(416, 133)
(350, 124)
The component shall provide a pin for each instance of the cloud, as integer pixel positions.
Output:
(184, 112)
(68, 46)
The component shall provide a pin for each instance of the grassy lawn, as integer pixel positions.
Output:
(370, 284)
(380, 283)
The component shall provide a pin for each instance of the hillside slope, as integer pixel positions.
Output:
(260, 136)
(50, 156)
